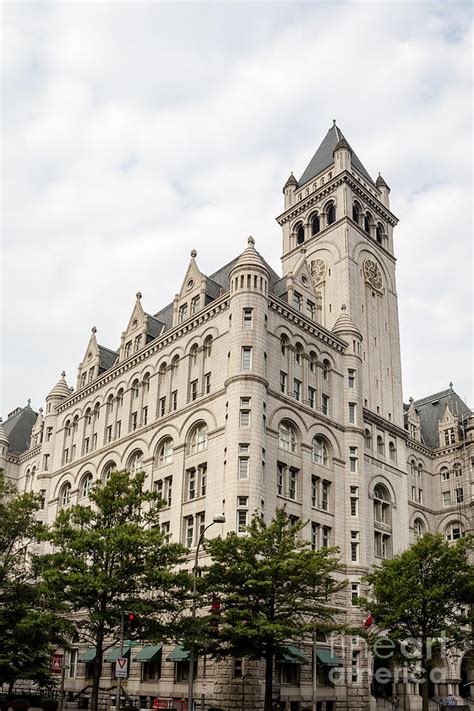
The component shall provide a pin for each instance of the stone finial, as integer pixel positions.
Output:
(194, 254)
(251, 241)
(94, 330)
(29, 402)
(139, 295)
(41, 411)
(343, 307)
(451, 385)
(334, 122)
(410, 400)
(63, 374)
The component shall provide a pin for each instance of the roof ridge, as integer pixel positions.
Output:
(429, 398)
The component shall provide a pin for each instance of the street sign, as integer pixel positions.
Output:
(121, 668)
(57, 663)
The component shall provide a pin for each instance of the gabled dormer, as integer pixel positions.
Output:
(413, 423)
(301, 289)
(448, 428)
(141, 329)
(192, 296)
(88, 368)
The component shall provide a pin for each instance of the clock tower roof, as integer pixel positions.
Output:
(324, 156)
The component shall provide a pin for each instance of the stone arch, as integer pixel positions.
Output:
(204, 414)
(284, 413)
(320, 428)
(380, 479)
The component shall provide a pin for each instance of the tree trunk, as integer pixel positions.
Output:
(268, 679)
(426, 666)
(99, 645)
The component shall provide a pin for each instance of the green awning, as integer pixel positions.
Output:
(178, 655)
(293, 655)
(150, 653)
(114, 654)
(88, 655)
(326, 657)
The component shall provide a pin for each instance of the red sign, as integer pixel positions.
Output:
(57, 663)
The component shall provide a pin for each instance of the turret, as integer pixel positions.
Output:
(59, 393)
(342, 155)
(289, 190)
(384, 191)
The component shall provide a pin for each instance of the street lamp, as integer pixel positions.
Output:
(216, 519)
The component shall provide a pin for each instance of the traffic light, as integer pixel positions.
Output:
(133, 622)
(215, 613)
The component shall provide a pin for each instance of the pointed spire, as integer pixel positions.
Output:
(194, 254)
(138, 295)
(93, 330)
(291, 181)
(342, 143)
(380, 182)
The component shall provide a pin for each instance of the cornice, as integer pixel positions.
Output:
(327, 189)
(169, 337)
(384, 424)
(319, 332)
(419, 447)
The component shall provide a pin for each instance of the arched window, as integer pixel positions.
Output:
(312, 361)
(380, 445)
(88, 416)
(284, 341)
(165, 452)
(367, 222)
(444, 474)
(326, 369)
(382, 504)
(331, 210)
(135, 462)
(85, 485)
(457, 469)
(75, 424)
(65, 494)
(392, 451)
(162, 372)
(419, 527)
(287, 438)
(67, 428)
(107, 471)
(298, 353)
(110, 404)
(379, 233)
(194, 353)
(300, 235)
(198, 439)
(174, 365)
(135, 389)
(356, 212)
(368, 439)
(120, 398)
(207, 347)
(146, 382)
(315, 225)
(320, 451)
(453, 531)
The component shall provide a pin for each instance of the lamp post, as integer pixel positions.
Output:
(216, 519)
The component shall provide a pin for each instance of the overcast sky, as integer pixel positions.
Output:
(135, 132)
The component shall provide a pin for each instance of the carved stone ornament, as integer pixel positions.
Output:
(318, 271)
(373, 277)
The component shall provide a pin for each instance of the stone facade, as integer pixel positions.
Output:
(252, 391)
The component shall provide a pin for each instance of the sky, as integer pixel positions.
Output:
(133, 132)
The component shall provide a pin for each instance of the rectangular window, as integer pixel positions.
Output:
(128, 349)
(314, 491)
(207, 383)
(325, 537)
(188, 531)
(413, 493)
(314, 536)
(311, 397)
(194, 389)
(289, 673)
(72, 655)
(459, 495)
(118, 428)
(297, 301)
(283, 381)
(238, 668)
(83, 379)
(297, 389)
(246, 358)
(244, 412)
(191, 484)
(134, 421)
(49, 434)
(420, 496)
(183, 312)
(108, 434)
(42, 499)
(66, 456)
(168, 489)
(446, 496)
(242, 513)
(195, 305)
(91, 374)
(200, 523)
(202, 479)
(311, 309)
(325, 405)
(138, 340)
(325, 495)
(174, 400)
(248, 319)
(45, 462)
(354, 592)
(280, 479)
(86, 445)
(165, 529)
(355, 666)
(352, 412)
(244, 461)
(292, 483)
(353, 460)
(354, 500)
(354, 546)
(351, 378)
(94, 441)
(144, 416)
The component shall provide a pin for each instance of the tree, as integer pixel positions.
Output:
(30, 628)
(418, 599)
(107, 557)
(273, 590)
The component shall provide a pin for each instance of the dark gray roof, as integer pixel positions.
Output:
(431, 410)
(18, 429)
(323, 157)
(155, 326)
(166, 316)
(107, 358)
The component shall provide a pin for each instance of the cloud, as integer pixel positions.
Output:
(134, 132)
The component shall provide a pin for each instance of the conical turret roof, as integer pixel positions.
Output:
(250, 257)
(324, 156)
(344, 323)
(380, 182)
(61, 389)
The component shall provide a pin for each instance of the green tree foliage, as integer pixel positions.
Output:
(30, 628)
(108, 557)
(273, 590)
(421, 596)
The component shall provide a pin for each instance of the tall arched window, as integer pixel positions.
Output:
(453, 531)
(107, 471)
(382, 522)
(315, 225)
(146, 382)
(356, 212)
(110, 404)
(284, 342)
(326, 369)
(193, 353)
(380, 445)
(198, 439)
(312, 361)
(300, 234)
(368, 439)
(135, 389)
(419, 527)
(379, 233)
(331, 211)
(367, 222)
(457, 469)
(67, 428)
(174, 365)
(382, 504)
(392, 451)
(85, 485)
(120, 398)
(65, 494)
(165, 452)
(320, 451)
(207, 346)
(287, 438)
(135, 462)
(298, 353)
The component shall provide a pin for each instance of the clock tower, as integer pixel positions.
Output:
(340, 219)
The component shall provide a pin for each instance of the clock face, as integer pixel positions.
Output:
(318, 271)
(373, 276)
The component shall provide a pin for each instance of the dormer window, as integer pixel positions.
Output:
(183, 312)
(195, 305)
(128, 349)
(449, 436)
(138, 342)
